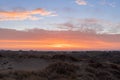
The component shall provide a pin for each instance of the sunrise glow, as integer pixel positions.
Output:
(60, 25)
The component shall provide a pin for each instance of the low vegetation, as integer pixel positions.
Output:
(62, 66)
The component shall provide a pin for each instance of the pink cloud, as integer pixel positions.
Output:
(23, 15)
(81, 2)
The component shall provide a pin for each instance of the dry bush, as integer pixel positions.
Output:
(45, 57)
(1, 56)
(2, 76)
(115, 66)
(98, 74)
(16, 75)
(116, 74)
(28, 56)
(91, 70)
(97, 65)
(64, 57)
(103, 75)
(60, 70)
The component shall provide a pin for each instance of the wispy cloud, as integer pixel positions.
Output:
(105, 2)
(97, 25)
(81, 2)
(102, 2)
(23, 15)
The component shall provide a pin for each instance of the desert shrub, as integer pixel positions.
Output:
(10, 67)
(1, 55)
(45, 56)
(64, 57)
(23, 56)
(114, 66)
(2, 76)
(102, 75)
(91, 75)
(92, 60)
(33, 77)
(97, 65)
(20, 75)
(27, 56)
(91, 70)
(5, 76)
(60, 70)
(116, 73)
(86, 77)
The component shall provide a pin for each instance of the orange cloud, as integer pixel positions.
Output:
(22, 15)
(81, 2)
(57, 40)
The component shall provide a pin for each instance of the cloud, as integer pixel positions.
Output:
(102, 2)
(62, 40)
(24, 14)
(97, 25)
(81, 2)
(105, 2)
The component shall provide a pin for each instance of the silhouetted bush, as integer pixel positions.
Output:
(45, 57)
(1, 76)
(62, 68)
(1, 55)
(116, 74)
(96, 65)
(115, 66)
(103, 76)
(91, 70)
(64, 57)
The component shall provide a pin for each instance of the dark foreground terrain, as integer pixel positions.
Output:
(38, 65)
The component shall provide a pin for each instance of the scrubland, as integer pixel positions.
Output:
(59, 65)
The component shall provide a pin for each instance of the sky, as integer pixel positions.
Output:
(60, 24)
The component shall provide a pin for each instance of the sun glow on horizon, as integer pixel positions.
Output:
(61, 45)
(54, 44)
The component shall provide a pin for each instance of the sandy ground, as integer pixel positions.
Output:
(23, 64)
